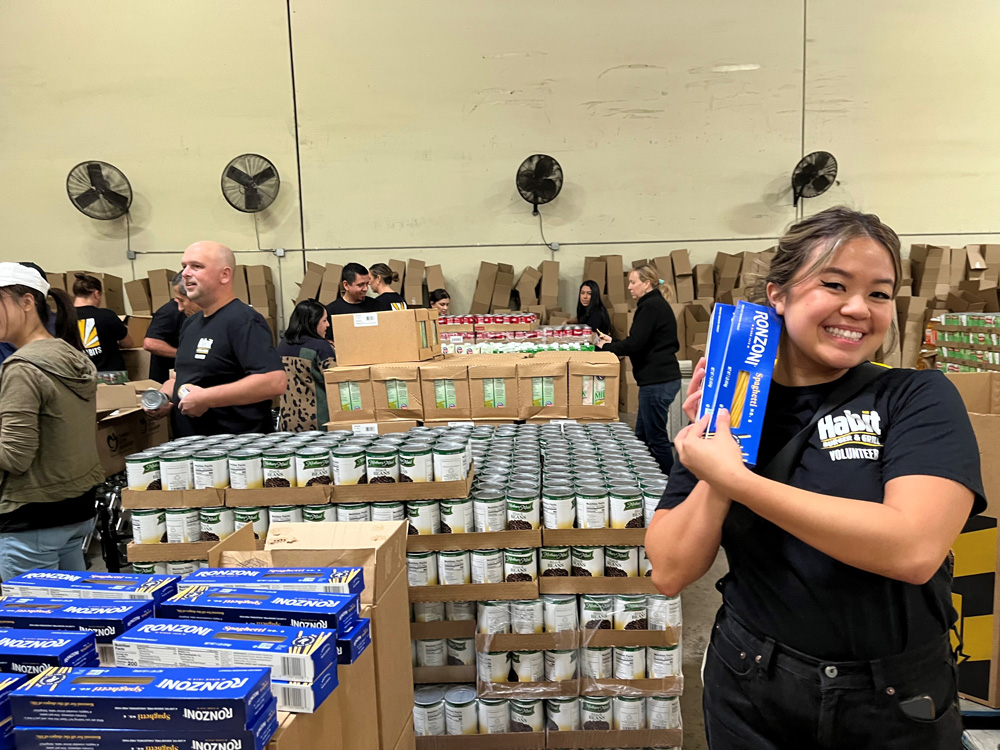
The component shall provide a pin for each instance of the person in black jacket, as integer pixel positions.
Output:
(652, 345)
(354, 280)
(590, 310)
(382, 278)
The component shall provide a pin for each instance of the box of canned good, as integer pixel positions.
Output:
(402, 491)
(315, 494)
(206, 498)
(542, 389)
(593, 386)
(350, 395)
(397, 392)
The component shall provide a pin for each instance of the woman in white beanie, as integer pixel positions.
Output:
(48, 453)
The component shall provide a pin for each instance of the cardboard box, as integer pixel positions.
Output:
(399, 266)
(240, 287)
(435, 278)
(136, 363)
(542, 389)
(349, 393)
(386, 337)
(311, 283)
(445, 391)
(413, 284)
(727, 272)
(527, 285)
(683, 275)
(263, 295)
(139, 297)
(58, 281)
(616, 286)
(493, 390)
(125, 432)
(502, 287)
(329, 288)
(628, 389)
(113, 290)
(397, 392)
(704, 281)
(485, 282)
(259, 275)
(548, 295)
(137, 326)
(593, 387)
(160, 291)
(371, 428)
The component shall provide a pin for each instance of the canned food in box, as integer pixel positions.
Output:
(149, 568)
(257, 517)
(449, 462)
(428, 711)
(558, 507)
(143, 471)
(563, 714)
(182, 567)
(217, 523)
(424, 517)
(629, 713)
(591, 507)
(626, 508)
(529, 666)
(432, 653)
(520, 564)
(630, 612)
(651, 495)
(487, 566)
(494, 617)
(211, 469)
(388, 511)
(663, 661)
(428, 611)
(645, 565)
(663, 712)
(461, 652)
(183, 525)
(319, 513)
(421, 568)
(284, 514)
(522, 510)
(560, 665)
(246, 469)
(629, 662)
(348, 465)
(312, 466)
(279, 467)
(596, 611)
(554, 561)
(621, 562)
(595, 712)
(353, 512)
(597, 662)
(416, 463)
(526, 616)
(457, 611)
(559, 612)
(493, 666)
(526, 715)
(382, 464)
(663, 611)
(494, 716)
(149, 526)
(489, 510)
(461, 711)
(587, 561)
(457, 516)
(176, 470)
(454, 568)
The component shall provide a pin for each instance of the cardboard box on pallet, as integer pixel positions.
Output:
(349, 393)
(444, 389)
(397, 392)
(542, 389)
(386, 337)
(493, 391)
(593, 386)
(381, 549)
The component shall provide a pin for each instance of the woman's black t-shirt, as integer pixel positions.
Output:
(100, 332)
(389, 301)
(906, 423)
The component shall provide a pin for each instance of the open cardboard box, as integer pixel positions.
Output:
(422, 631)
(454, 673)
(380, 548)
(210, 498)
(368, 493)
(506, 741)
(593, 537)
(166, 552)
(371, 428)
(408, 405)
(633, 688)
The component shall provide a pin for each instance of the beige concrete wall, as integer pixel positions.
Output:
(677, 124)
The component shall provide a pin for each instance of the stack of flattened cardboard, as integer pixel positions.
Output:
(262, 295)
(329, 287)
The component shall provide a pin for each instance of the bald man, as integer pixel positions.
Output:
(227, 370)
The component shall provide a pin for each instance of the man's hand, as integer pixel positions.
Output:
(195, 401)
(161, 412)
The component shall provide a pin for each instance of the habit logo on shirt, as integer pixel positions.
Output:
(204, 347)
(88, 335)
(842, 435)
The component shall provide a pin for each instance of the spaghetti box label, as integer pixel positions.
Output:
(293, 654)
(105, 618)
(305, 697)
(254, 737)
(715, 354)
(183, 700)
(31, 652)
(297, 609)
(351, 646)
(324, 580)
(7, 683)
(67, 584)
(751, 348)
(7, 735)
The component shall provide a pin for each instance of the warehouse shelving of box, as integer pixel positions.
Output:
(968, 342)
(537, 637)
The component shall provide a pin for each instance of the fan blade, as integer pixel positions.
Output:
(116, 198)
(252, 199)
(96, 176)
(546, 190)
(238, 175)
(264, 175)
(85, 199)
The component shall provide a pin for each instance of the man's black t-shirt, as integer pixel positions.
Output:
(166, 327)
(906, 423)
(100, 332)
(228, 345)
(341, 306)
(388, 301)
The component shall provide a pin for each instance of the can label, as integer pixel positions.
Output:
(529, 666)
(554, 561)
(621, 562)
(629, 662)
(560, 665)
(348, 470)
(664, 712)
(522, 515)
(490, 515)
(143, 473)
(629, 713)
(431, 653)
(595, 713)
(626, 512)
(352, 512)
(458, 611)
(216, 523)
(454, 568)
(493, 666)
(312, 470)
(587, 561)
(416, 467)
(279, 471)
(461, 652)
(494, 617)
(428, 611)
(645, 564)
(428, 721)
(520, 565)
(558, 512)
(663, 661)
(176, 474)
(182, 567)
(246, 473)
(183, 525)
(284, 514)
(630, 612)
(382, 468)
(597, 662)
(388, 511)
(526, 715)
(592, 512)
(596, 611)
(487, 566)
(449, 467)
(663, 611)
(211, 473)
(559, 613)
(424, 517)
(421, 568)
(461, 719)
(152, 568)
(149, 526)
(563, 714)
(456, 516)
(257, 517)
(526, 616)
(319, 514)
(494, 716)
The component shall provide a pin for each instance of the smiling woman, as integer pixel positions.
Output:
(837, 540)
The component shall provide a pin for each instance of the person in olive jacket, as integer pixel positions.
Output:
(652, 346)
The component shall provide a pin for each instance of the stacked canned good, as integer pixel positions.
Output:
(456, 710)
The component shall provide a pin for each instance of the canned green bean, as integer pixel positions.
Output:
(279, 467)
(457, 516)
(211, 470)
(149, 568)
(424, 517)
(416, 463)
(176, 470)
(183, 525)
(348, 464)
(312, 466)
(621, 562)
(392, 510)
(449, 462)
(217, 523)
(143, 471)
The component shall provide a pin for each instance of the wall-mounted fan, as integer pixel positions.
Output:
(539, 180)
(99, 190)
(250, 183)
(813, 175)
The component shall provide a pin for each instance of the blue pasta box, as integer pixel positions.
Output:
(183, 700)
(719, 327)
(254, 737)
(305, 697)
(67, 584)
(302, 609)
(351, 646)
(291, 653)
(743, 380)
(7, 735)
(7, 684)
(25, 651)
(105, 618)
(323, 580)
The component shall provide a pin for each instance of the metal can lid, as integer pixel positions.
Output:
(210, 455)
(347, 451)
(312, 451)
(449, 449)
(381, 450)
(137, 458)
(487, 496)
(428, 696)
(415, 449)
(178, 455)
(460, 696)
(278, 452)
(245, 454)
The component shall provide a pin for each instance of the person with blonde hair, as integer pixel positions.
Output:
(652, 346)
(834, 626)
(382, 279)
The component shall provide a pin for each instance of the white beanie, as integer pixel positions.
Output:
(15, 273)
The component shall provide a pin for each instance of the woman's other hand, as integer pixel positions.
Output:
(693, 400)
(716, 460)
(602, 339)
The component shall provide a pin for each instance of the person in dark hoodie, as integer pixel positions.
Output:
(590, 310)
(48, 450)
